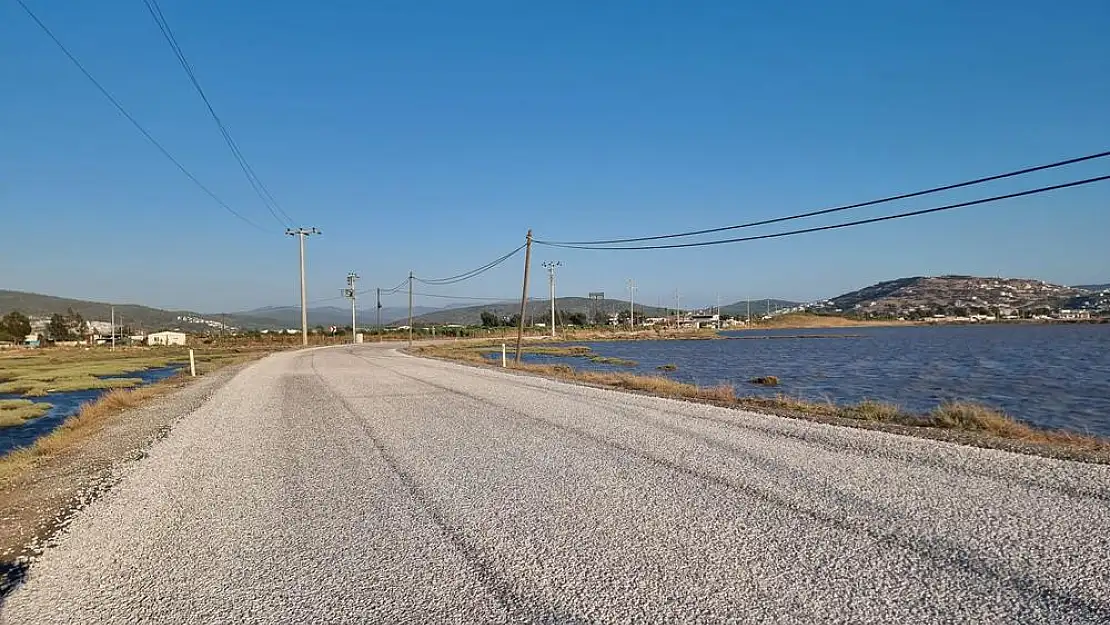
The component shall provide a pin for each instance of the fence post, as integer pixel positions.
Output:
(192, 364)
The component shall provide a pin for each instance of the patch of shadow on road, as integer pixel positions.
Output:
(12, 575)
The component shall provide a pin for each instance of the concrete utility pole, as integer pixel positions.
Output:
(380, 337)
(551, 265)
(301, 233)
(410, 309)
(632, 303)
(524, 294)
(677, 309)
(113, 327)
(350, 293)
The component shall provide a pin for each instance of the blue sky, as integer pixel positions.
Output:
(430, 136)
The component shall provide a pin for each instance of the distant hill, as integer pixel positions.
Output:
(472, 315)
(1094, 288)
(36, 305)
(947, 294)
(758, 307)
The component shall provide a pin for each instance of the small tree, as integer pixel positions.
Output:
(58, 328)
(15, 325)
(490, 320)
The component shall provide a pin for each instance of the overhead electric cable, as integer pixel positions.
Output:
(119, 107)
(466, 297)
(826, 211)
(256, 183)
(860, 222)
(473, 273)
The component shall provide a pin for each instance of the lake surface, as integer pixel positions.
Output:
(1050, 375)
(66, 405)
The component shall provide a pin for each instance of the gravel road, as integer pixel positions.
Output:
(350, 485)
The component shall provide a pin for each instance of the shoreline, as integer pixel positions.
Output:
(958, 422)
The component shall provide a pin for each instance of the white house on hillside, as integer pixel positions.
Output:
(166, 338)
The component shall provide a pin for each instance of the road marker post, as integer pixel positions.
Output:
(192, 364)
(504, 357)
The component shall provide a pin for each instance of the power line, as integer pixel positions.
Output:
(248, 171)
(860, 222)
(826, 211)
(473, 273)
(508, 300)
(134, 122)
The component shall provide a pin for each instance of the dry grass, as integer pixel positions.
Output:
(765, 380)
(93, 415)
(869, 410)
(668, 367)
(14, 412)
(977, 418)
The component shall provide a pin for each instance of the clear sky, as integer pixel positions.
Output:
(431, 135)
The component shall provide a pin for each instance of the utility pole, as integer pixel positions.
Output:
(748, 301)
(524, 293)
(380, 338)
(677, 309)
(410, 309)
(301, 233)
(113, 327)
(551, 265)
(349, 292)
(632, 304)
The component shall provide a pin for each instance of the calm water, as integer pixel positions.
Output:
(65, 405)
(1055, 376)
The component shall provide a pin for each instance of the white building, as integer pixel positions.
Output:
(166, 338)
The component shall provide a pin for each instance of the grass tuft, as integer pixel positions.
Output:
(978, 418)
(869, 410)
(668, 367)
(765, 380)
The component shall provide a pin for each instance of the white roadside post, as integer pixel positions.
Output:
(504, 357)
(192, 364)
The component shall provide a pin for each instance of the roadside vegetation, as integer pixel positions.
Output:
(15, 411)
(965, 422)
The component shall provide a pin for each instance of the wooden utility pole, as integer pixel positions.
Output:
(410, 309)
(524, 294)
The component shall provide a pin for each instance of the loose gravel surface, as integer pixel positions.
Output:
(350, 485)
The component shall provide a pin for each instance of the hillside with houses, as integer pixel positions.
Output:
(969, 297)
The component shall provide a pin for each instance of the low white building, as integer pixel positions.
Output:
(166, 338)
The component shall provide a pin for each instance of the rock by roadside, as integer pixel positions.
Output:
(38, 504)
